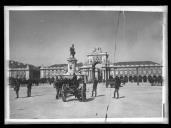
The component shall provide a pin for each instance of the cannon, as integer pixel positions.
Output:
(72, 87)
(78, 92)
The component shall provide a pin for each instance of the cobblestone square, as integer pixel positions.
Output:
(135, 101)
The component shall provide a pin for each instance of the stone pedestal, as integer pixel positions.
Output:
(71, 65)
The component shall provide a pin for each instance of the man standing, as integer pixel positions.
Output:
(58, 87)
(152, 81)
(29, 84)
(75, 82)
(95, 82)
(17, 87)
(117, 85)
(74, 78)
(84, 90)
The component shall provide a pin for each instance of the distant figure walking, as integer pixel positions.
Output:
(95, 82)
(29, 84)
(17, 87)
(117, 85)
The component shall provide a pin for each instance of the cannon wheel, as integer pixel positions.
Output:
(63, 94)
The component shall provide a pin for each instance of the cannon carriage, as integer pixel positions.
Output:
(72, 87)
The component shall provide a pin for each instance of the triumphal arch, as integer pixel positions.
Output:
(94, 58)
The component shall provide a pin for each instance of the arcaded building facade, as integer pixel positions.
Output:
(130, 71)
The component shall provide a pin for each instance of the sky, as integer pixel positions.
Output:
(44, 37)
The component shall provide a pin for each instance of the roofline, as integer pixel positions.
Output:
(134, 66)
(136, 62)
(98, 54)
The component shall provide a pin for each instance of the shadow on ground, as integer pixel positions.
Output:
(100, 95)
(31, 96)
(120, 97)
(74, 99)
(87, 100)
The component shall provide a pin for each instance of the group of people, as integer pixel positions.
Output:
(59, 81)
(17, 84)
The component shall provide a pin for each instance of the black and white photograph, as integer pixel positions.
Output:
(86, 64)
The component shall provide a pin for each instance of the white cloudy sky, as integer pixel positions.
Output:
(44, 37)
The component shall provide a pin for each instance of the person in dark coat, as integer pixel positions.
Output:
(29, 85)
(117, 85)
(75, 81)
(74, 78)
(152, 81)
(84, 90)
(95, 82)
(58, 83)
(54, 82)
(17, 87)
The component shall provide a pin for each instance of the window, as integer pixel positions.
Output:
(130, 72)
(154, 71)
(121, 72)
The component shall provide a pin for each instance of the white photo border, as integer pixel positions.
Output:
(162, 120)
